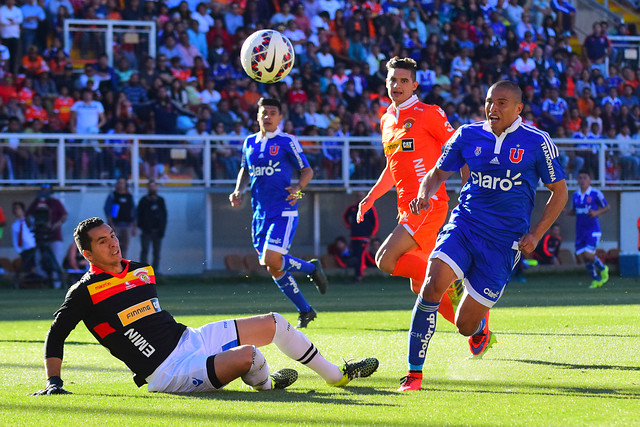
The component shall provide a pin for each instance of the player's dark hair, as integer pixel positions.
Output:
(272, 102)
(585, 172)
(14, 204)
(511, 86)
(403, 64)
(81, 232)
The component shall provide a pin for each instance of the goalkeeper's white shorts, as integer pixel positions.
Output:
(185, 369)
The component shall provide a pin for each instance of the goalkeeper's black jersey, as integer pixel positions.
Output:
(123, 313)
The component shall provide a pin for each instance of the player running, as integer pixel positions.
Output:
(268, 161)
(118, 303)
(489, 228)
(413, 134)
(587, 204)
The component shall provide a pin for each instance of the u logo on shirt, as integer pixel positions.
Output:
(516, 155)
(273, 150)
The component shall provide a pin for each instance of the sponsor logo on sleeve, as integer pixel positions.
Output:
(478, 151)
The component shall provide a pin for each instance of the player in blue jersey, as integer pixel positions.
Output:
(269, 159)
(587, 204)
(489, 228)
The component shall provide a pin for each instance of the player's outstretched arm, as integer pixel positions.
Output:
(380, 188)
(430, 184)
(241, 183)
(52, 366)
(555, 205)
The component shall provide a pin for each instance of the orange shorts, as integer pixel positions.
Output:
(424, 228)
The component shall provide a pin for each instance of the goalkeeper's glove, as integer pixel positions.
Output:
(54, 386)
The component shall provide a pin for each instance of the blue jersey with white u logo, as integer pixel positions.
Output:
(582, 203)
(270, 162)
(499, 196)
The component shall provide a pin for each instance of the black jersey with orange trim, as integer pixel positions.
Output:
(123, 313)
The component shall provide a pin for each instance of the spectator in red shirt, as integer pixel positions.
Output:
(36, 110)
(7, 89)
(62, 108)
(25, 95)
(296, 94)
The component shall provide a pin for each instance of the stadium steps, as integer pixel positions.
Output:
(625, 12)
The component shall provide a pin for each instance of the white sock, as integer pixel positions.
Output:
(258, 375)
(297, 346)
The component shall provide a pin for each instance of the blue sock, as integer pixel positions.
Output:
(591, 268)
(480, 328)
(599, 265)
(423, 325)
(290, 263)
(289, 287)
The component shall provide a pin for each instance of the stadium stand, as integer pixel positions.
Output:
(339, 74)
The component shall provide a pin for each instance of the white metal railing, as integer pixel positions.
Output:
(109, 27)
(15, 148)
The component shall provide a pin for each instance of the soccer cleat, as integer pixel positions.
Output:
(596, 284)
(283, 378)
(411, 382)
(455, 293)
(530, 262)
(360, 369)
(304, 317)
(482, 341)
(318, 277)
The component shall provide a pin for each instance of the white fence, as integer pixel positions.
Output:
(341, 163)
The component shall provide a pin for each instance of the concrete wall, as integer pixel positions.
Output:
(184, 243)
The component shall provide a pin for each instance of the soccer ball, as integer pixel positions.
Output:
(267, 56)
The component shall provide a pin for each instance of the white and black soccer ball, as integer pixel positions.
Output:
(267, 56)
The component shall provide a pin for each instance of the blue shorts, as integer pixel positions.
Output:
(274, 232)
(587, 242)
(486, 265)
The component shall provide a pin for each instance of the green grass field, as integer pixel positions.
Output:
(566, 356)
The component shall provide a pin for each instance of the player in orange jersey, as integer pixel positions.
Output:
(413, 134)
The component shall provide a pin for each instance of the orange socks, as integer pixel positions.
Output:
(413, 265)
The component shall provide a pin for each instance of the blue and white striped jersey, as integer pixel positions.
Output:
(270, 162)
(499, 196)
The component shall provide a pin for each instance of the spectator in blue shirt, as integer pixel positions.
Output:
(553, 110)
(33, 15)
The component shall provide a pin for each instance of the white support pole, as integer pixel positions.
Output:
(602, 163)
(208, 231)
(135, 166)
(61, 163)
(206, 157)
(316, 224)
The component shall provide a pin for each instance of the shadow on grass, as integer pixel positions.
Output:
(573, 366)
(66, 368)
(42, 342)
(498, 388)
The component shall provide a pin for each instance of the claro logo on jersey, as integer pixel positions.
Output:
(495, 182)
(268, 170)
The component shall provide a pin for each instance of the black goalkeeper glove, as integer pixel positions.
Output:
(54, 386)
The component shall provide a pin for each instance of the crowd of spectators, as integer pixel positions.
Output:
(195, 84)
